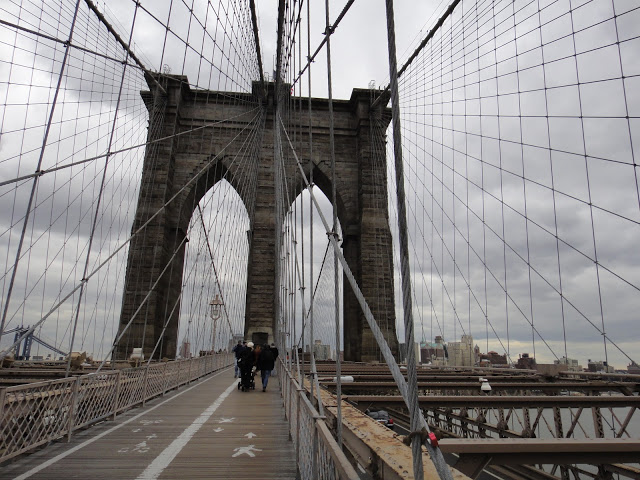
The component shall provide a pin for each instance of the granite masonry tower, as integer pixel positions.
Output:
(180, 169)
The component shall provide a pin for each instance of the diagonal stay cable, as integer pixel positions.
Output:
(331, 29)
(194, 178)
(384, 93)
(411, 396)
(213, 265)
(142, 303)
(39, 173)
(373, 324)
(35, 182)
(94, 222)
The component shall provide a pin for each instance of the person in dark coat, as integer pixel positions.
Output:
(265, 365)
(246, 362)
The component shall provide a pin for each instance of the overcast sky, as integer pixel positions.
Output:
(565, 159)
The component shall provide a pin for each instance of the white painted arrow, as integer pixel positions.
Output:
(250, 435)
(218, 430)
(246, 450)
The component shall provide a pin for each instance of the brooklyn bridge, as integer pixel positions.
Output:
(431, 210)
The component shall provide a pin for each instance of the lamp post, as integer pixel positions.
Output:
(215, 311)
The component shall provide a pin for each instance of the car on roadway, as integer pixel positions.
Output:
(381, 416)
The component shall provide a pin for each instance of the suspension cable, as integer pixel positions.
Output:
(434, 452)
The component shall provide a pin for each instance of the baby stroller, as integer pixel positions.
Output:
(247, 381)
(246, 362)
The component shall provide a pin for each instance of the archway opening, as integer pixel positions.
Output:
(308, 279)
(215, 271)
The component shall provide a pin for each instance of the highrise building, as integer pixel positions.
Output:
(461, 354)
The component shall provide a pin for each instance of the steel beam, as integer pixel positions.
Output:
(475, 386)
(514, 451)
(496, 401)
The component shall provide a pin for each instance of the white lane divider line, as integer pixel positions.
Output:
(163, 460)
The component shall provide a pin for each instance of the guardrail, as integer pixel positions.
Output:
(318, 455)
(38, 413)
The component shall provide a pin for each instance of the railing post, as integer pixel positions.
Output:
(189, 372)
(314, 446)
(3, 397)
(116, 398)
(287, 396)
(298, 400)
(178, 376)
(165, 378)
(144, 387)
(75, 390)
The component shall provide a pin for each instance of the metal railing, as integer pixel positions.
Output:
(318, 455)
(35, 414)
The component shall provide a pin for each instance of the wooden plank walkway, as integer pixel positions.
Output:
(209, 429)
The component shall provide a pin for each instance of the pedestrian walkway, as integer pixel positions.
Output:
(207, 430)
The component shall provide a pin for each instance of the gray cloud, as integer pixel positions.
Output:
(568, 111)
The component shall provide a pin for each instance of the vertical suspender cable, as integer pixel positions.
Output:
(414, 409)
(311, 299)
(302, 278)
(334, 232)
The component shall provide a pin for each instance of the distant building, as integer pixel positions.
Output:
(633, 368)
(491, 359)
(433, 352)
(525, 362)
(571, 363)
(462, 354)
(321, 351)
(599, 367)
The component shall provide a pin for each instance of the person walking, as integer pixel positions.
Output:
(247, 362)
(256, 352)
(237, 350)
(265, 365)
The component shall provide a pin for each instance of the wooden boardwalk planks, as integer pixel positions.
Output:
(207, 430)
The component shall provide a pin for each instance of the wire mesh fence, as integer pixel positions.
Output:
(317, 453)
